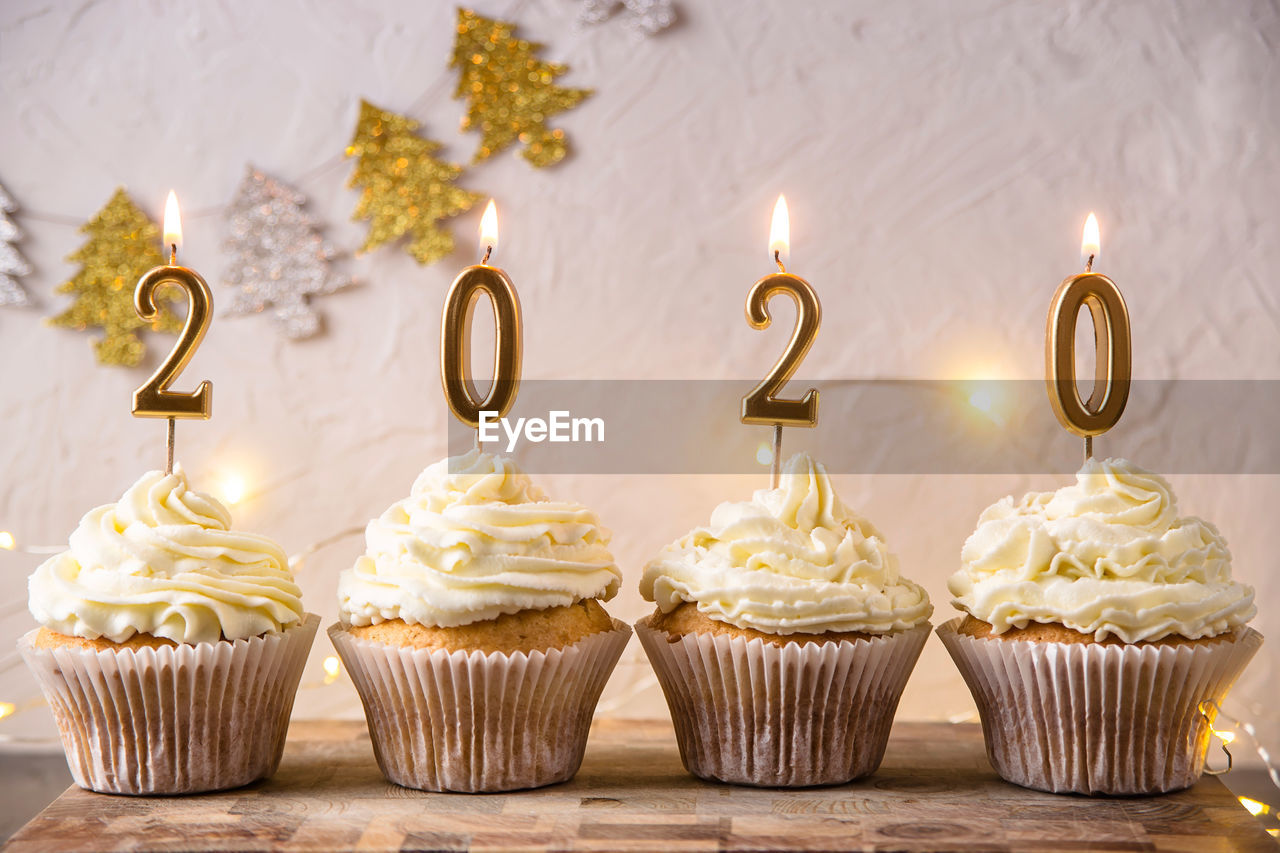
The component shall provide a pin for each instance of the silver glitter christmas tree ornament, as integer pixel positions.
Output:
(12, 264)
(641, 17)
(276, 258)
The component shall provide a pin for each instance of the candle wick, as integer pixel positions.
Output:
(173, 254)
(777, 259)
(488, 250)
(1088, 265)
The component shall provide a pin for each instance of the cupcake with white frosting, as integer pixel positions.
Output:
(171, 646)
(473, 630)
(1102, 632)
(783, 636)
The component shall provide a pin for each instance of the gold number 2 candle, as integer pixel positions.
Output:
(1113, 349)
(762, 405)
(455, 334)
(153, 399)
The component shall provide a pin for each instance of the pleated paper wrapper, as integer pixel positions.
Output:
(174, 719)
(753, 713)
(470, 721)
(1092, 719)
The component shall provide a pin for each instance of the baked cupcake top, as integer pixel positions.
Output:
(163, 561)
(1108, 556)
(475, 540)
(791, 560)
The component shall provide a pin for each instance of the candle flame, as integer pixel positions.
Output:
(780, 230)
(172, 222)
(489, 226)
(1091, 243)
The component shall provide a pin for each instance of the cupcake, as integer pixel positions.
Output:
(171, 646)
(1102, 632)
(473, 630)
(783, 636)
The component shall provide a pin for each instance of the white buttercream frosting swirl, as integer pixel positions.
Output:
(163, 561)
(474, 540)
(1107, 556)
(791, 560)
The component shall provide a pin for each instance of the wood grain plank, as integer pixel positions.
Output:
(935, 790)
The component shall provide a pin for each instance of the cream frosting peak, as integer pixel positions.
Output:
(163, 561)
(474, 478)
(793, 559)
(474, 540)
(1108, 555)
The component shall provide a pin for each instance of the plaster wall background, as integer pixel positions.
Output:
(938, 158)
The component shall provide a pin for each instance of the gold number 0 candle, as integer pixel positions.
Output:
(762, 405)
(153, 399)
(1113, 366)
(455, 334)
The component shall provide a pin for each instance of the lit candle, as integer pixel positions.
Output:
(455, 325)
(762, 405)
(1113, 365)
(153, 399)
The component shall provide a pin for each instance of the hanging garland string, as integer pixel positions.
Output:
(277, 258)
(430, 95)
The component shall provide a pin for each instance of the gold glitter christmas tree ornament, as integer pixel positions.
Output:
(510, 92)
(12, 265)
(276, 259)
(123, 244)
(406, 190)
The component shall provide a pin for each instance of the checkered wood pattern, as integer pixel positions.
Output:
(935, 791)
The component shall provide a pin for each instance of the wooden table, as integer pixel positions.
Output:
(935, 791)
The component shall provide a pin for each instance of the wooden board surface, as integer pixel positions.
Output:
(935, 791)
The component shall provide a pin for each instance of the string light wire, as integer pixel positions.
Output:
(1248, 728)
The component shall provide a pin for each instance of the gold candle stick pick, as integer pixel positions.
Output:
(153, 399)
(455, 335)
(1113, 363)
(762, 405)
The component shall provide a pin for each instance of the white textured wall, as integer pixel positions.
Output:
(939, 159)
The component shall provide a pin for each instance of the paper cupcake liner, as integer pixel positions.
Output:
(174, 719)
(754, 713)
(469, 721)
(1094, 719)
